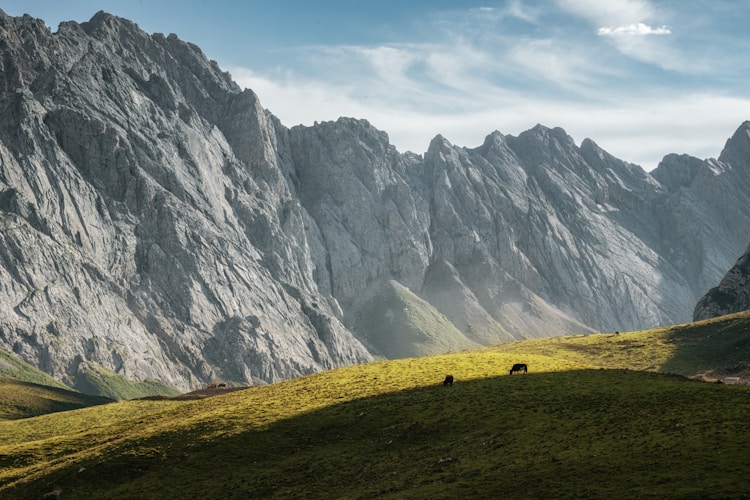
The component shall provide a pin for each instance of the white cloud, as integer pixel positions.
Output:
(611, 12)
(634, 29)
(519, 10)
(628, 26)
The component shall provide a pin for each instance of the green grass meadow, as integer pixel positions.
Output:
(597, 416)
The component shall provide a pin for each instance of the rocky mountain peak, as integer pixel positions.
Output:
(494, 142)
(103, 24)
(737, 149)
(439, 142)
(676, 171)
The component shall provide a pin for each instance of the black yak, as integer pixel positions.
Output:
(519, 367)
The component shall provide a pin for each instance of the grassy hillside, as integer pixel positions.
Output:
(715, 348)
(19, 399)
(102, 382)
(12, 366)
(578, 425)
(94, 380)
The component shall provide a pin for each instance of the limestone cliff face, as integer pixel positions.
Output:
(157, 221)
(733, 293)
(523, 236)
(146, 221)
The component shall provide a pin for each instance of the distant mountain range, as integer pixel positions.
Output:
(157, 222)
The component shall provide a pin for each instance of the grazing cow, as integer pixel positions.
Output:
(448, 380)
(211, 386)
(519, 367)
(222, 385)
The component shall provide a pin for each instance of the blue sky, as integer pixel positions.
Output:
(642, 78)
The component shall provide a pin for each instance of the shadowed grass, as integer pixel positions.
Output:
(592, 433)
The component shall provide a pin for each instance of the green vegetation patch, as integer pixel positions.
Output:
(19, 399)
(13, 367)
(102, 382)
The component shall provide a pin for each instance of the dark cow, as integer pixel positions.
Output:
(519, 367)
(448, 380)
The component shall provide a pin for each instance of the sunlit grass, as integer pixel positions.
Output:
(721, 344)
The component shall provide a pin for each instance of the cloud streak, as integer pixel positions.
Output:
(637, 29)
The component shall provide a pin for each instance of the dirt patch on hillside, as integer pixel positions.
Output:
(740, 376)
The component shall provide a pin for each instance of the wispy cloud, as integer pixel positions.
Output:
(637, 29)
(519, 10)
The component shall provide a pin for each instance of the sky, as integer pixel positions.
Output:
(642, 78)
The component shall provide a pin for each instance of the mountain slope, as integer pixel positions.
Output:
(158, 223)
(15, 368)
(395, 323)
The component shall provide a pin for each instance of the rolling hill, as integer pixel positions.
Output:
(20, 399)
(604, 415)
(93, 380)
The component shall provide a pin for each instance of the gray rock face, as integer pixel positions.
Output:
(147, 224)
(731, 296)
(733, 293)
(157, 221)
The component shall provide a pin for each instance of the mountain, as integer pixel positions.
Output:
(157, 222)
(731, 296)
(733, 293)
(147, 223)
